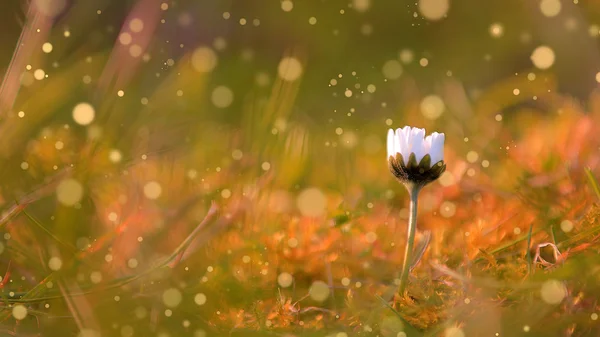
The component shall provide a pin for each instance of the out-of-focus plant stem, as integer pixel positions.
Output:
(413, 192)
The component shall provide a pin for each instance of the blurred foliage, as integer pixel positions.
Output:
(226, 174)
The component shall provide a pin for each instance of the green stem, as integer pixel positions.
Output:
(413, 192)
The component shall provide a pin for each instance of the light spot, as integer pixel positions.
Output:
(136, 25)
(496, 30)
(152, 190)
(319, 291)
(112, 216)
(220, 43)
(312, 20)
(594, 316)
(135, 50)
(185, 19)
(285, 280)
(127, 331)
(237, 154)
(594, 30)
(526, 328)
(132, 263)
(349, 139)
(553, 292)
(172, 297)
(472, 156)
(361, 6)
(59, 145)
(287, 5)
(498, 117)
(140, 312)
(447, 179)
(226, 193)
(125, 38)
(293, 242)
(348, 93)
(265, 166)
(24, 165)
(432, 107)
(96, 277)
(424, 62)
(485, 163)
(200, 299)
(543, 57)
(69, 192)
(19, 312)
(39, 74)
(83, 113)
(566, 226)
(289, 69)
(371, 88)
(447, 209)
(115, 156)
(406, 56)
(120, 93)
(434, 10)
(550, 8)
(311, 202)
(392, 70)
(47, 47)
(55, 263)
(204, 59)
(222, 97)
(371, 237)
(262, 79)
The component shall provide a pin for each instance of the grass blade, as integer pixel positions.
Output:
(593, 181)
(528, 254)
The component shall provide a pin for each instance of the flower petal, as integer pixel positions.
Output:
(427, 145)
(390, 144)
(416, 143)
(437, 147)
(398, 141)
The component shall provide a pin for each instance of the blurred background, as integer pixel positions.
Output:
(217, 168)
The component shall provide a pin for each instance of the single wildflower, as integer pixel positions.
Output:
(415, 160)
